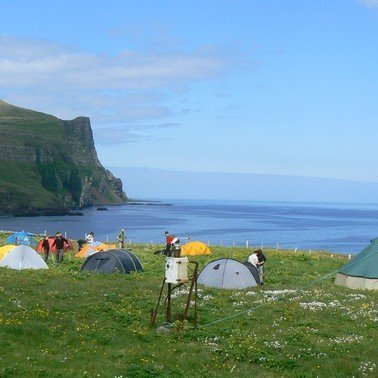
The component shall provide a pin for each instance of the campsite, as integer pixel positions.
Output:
(64, 322)
(188, 189)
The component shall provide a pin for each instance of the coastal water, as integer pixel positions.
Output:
(343, 228)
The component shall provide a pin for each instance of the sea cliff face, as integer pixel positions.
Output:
(48, 164)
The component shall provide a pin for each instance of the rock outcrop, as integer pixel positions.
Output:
(47, 164)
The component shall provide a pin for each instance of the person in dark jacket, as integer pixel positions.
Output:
(260, 264)
(59, 243)
(46, 247)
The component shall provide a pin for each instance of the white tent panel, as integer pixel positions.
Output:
(23, 257)
(356, 282)
(226, 274)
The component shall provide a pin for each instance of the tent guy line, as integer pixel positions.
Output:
(267, 303)
(285, 294)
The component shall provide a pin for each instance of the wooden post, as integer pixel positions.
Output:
(169, 309)
(193, 284)
(154, 313)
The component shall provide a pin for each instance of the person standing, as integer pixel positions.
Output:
(260, 265)
(121, 238)
(59, 243)
(168, 242)
(90, 238)
(46, 247)
(253, 259)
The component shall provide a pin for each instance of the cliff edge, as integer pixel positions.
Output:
(48, 165)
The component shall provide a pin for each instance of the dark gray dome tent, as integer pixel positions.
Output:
(114, 260)
(229, 274)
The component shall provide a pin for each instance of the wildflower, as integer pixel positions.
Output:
(313, 306)
(347, 340)
(367, 368)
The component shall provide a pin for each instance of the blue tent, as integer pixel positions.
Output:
(21, 238)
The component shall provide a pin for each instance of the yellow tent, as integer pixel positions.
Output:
(7, 248)
(195, 248)
(88, 249)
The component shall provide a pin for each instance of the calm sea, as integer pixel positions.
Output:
(343, 228)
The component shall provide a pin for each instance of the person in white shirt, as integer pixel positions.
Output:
(90, 238)
(253, 259)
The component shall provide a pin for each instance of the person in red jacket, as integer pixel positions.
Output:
(46, 247)
(168, 242)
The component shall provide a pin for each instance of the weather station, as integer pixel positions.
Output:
(179, 271)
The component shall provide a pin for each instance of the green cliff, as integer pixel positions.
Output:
(48, 165)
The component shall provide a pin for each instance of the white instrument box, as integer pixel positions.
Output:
(176, 270)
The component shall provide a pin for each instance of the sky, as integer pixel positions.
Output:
(265, 87)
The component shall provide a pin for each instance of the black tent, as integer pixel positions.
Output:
(114, 260)
(253, 270)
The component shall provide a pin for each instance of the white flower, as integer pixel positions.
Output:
(313, 306)
(347, 340)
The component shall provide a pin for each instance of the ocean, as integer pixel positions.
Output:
(345, 228)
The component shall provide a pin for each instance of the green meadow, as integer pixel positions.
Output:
(63, 323)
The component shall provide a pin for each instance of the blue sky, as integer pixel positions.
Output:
(257, 86)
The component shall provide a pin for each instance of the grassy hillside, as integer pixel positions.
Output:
(50, 164)
(13, 117)
(62, 322)
(18, 184)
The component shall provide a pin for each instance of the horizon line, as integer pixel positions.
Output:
(247, 173)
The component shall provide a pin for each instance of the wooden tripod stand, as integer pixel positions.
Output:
(168, 300)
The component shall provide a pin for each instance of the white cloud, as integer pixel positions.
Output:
(131, 86)
(119, 134)
(370, 3)
(33, 64)
(102, 108)
(113, 136)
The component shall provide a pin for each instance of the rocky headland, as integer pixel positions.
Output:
(50, 166)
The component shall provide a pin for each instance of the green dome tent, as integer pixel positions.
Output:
(362, 271)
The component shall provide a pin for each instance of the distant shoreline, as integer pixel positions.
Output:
(78, 212)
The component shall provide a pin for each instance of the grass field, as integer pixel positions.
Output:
(65, 323)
